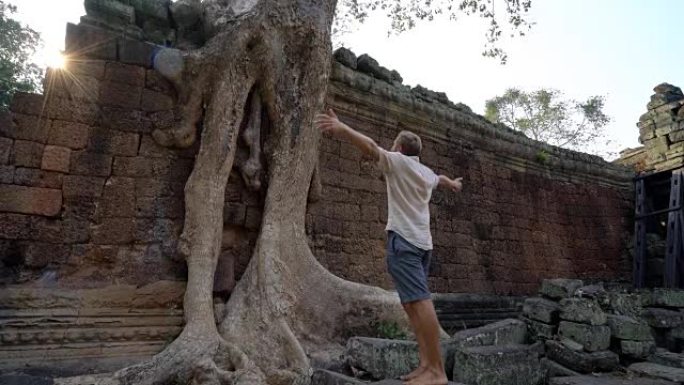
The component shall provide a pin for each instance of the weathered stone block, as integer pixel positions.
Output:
(29, 127)
(91, 68)
(493, 365)
(582, 362)
(30, 200)
(91, 164)
(114, 142)
(234, 213)
(158, 9)
(552, 368)
(676, 136)
(75, 186)
(56, 158)
(658, 371)
(38, 255)
(666, 358)
(505, 332)
(156, 82)
(113, 94)
(382, 358)
(88, 41)
(592, 338)
(114, 231)
(327, 377)
(370, 66)
(132, 75)
(6, 174)
(110, 12)
(136, 52)
(560, 288)
(159, 207)
(121, 119)
(141, 166)
(5, 150)
(156, 101)
(118, 198)
(663, 318)
(27, 154)
(628, 328)
(80, 111)
(637, 349)
(540, 330)
(27, 103)
(668, 297)
(37, 178)
(541, 309)
(14, 226)
(68, 134)
(582, 310)
(345, 57)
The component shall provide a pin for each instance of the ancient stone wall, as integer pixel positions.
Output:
(527, 211)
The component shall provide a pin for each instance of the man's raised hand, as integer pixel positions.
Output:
(457, 184)
(328, 122)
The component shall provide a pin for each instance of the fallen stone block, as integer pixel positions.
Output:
(628, 304)
(658, 371)
(540, 330)
(664, 357)
(667, 297)
(383, 358)
(581, 362)
(326, 377)
(541, 309)
(637, 349)
(592, 338)
(663, 318)
(628, 328)
(582, 310)
(552, 368)
(505, 332)
(493, 365)
(594, 380)
(560, 288)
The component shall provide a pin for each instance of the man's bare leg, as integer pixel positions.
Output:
(410, 311)
(428, 327)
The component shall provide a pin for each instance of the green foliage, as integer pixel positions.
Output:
(389, 330)
(405, 14)
(542, 157)
(546, 115)
(17, 45)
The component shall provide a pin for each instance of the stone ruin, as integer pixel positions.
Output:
(661, 131)
(571, 334)
(91, 207)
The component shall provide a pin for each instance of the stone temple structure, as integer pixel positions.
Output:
(91, 207)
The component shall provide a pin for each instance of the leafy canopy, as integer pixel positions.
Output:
(503, 16)
(17, 45)
(546, 115)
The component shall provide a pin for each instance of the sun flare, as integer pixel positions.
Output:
(55, 60)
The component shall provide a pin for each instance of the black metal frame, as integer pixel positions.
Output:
(674, 257)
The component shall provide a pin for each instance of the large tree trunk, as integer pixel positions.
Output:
(263, 75)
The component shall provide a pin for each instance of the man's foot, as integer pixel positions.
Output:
(417, 371)
(429, 377)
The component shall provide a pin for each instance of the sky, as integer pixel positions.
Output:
(619, 49)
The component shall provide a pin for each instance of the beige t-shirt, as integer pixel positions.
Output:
(409, 188)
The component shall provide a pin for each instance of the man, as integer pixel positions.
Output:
(409, 242)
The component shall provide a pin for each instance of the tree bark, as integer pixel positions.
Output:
(272, 55)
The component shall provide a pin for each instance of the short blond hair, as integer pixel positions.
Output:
(411, 144)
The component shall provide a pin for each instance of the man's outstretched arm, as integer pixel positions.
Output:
(329, 123)
(454, 185)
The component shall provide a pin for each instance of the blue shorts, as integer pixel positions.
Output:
(408, 265)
